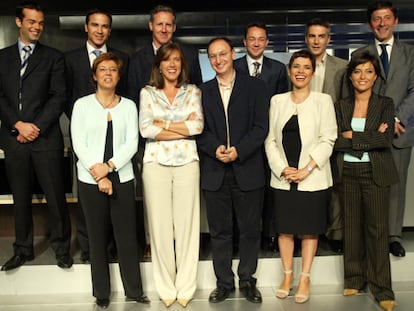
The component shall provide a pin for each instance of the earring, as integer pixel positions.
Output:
(160, 71)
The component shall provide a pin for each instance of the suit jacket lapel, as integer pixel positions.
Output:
(372, 114)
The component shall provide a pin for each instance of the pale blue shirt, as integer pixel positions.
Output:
(357, 125)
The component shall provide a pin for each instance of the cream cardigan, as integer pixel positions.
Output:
(318, 132)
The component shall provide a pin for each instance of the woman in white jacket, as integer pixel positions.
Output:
(302, 132)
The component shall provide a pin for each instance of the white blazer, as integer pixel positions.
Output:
(318, 132)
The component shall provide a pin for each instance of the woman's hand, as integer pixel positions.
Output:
(98, 171)
(105, 186)
(299, 176)
(347, 134)
(383, 127)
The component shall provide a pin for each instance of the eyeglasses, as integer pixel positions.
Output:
(110, 69)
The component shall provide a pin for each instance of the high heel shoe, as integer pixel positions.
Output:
(302, 298)
(388, 305)
(283, 293)
(350, 292)
(168, 302)
(183, 302)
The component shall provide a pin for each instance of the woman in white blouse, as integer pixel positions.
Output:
(170, 115)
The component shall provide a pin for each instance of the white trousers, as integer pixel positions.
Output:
(172, 199)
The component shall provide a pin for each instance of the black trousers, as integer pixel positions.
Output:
(366, 251)
(102, 213)
(247, 207)
(20, 165)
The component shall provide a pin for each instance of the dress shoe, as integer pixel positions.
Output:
(219, 294)
(336, 246)
(64, 261)
(84, 257)
(251, 293)
(397, 249)
(350, 292)
(102, 302)
(388, 305)
(168, 302)
(143, 299)
(15, 262)
(183, 302)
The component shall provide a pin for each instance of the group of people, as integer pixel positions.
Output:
(318, 147)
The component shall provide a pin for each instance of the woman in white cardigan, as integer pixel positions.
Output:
(302, 132)
(104, 129)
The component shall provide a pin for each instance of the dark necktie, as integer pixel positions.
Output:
(384, 58)
(256, 72)
(25, 59)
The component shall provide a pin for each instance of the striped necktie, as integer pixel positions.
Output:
(25, 59)
(256, 72)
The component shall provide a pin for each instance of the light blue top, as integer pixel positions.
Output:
(357, 125)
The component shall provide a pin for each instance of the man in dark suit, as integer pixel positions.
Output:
(328, 78)
(162, 24)
(32, 95)
(232, 167)
(274, 74)
(398, 83)
(79, 83)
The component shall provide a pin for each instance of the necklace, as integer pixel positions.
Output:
(101, 102)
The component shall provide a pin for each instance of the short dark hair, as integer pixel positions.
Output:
(255, 24)
(227, 40)
(98, 11)
(161, 8)
(31, 5)
(377, 5)
(163, 53)
(317, 21)
(304, 54)
(362, 57)
(106, 56)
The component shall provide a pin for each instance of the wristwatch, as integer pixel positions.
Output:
(309, 168)
(110, 169)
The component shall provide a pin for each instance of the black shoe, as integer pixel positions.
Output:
(336, 246)
(15, 262)
(397, 249)
(64, 261)
(103, 303)
(251, 293)
(84, 257)
(142, 299)
(219, 294)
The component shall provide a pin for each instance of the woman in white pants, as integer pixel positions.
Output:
(170, 115)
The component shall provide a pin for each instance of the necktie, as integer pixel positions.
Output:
(97, 52)
(384, 58)
(25, 59)
(256, 72)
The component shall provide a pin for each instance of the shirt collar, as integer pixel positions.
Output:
(250, 60)
(221, 84)
(90, 48)
(21, 45)
(389, 42)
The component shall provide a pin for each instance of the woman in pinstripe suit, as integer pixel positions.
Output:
(366, 170)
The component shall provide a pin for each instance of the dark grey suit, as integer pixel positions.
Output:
(364, 195)
(399, 85)
(42, 100)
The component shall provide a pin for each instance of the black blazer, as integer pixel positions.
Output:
(378, 145)
(272, 72)
(79, 75)
(248, 118)
(140, 67)
(42, 96)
